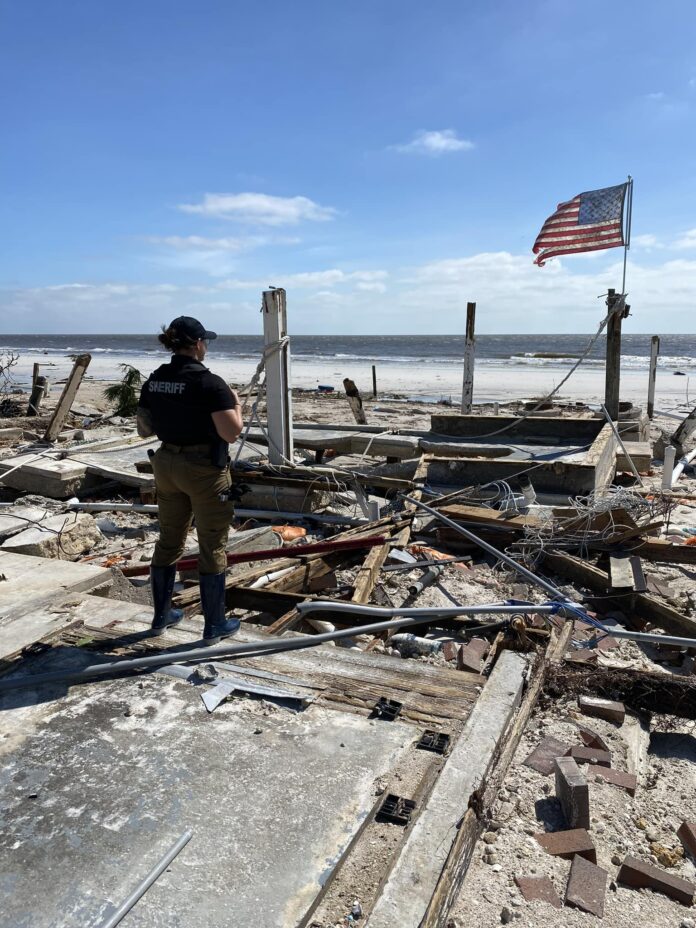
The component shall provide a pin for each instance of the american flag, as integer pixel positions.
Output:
(589, 222)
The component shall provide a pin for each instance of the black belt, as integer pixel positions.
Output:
(179, 449)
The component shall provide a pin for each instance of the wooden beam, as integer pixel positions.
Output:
(67, 397)
(355, 401)
(652, 376)
(613, 354)
(409, 896)
(643, 691)
(656, 549)
(38, 392)
(469, 358)
(369, 573)
(420, 476)
(646, 606)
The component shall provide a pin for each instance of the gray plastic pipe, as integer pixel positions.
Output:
(147, 882)
(410, 617)
(506, 559)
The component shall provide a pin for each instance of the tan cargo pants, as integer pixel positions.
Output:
(190, 487)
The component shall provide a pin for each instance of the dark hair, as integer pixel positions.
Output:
(174, 340)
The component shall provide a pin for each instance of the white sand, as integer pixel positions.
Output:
(436, 381)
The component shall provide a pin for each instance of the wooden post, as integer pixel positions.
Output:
(278, 383)
(684, 432)
(613, 362)
(469, 346)
(38, 392)
(654, 352)
(67, 397)
(355, 401)
(35, 374)
(374, 382)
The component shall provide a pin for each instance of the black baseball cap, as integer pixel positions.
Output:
(191, 328)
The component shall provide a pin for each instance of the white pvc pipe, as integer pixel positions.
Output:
(683, 462)
(668, 467)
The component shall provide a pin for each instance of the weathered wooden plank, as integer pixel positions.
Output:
(33, 593)
(407, 895)
(646, 606)
(656, 549)
(67, 397)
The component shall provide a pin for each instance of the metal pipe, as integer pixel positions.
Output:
(522, 571)
(621, 444)
(269, 554)
(426, 580)
(416, 564)
(650, 638)
(326, 518)
(410, 618)
(422, 615)
(143, 887)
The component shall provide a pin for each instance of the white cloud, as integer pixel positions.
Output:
(309, 280)
(186, 242)
(512, 295)
(647, 242)
(687, 240)
(435, 143)
(260, 208)
(213, 256)
(658, 95)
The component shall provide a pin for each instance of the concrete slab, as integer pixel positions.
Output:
(32, 594)
(96, 787)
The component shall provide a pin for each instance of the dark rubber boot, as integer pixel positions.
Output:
(162, 582)
(213, 603)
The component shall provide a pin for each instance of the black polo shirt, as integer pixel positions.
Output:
(180, 397)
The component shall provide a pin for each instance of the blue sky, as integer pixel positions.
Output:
(384, 160)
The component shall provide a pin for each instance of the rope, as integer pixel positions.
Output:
(618, 307)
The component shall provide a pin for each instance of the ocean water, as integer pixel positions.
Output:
(677, 352)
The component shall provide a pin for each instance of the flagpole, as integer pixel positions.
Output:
(616, 311)
(627, 236)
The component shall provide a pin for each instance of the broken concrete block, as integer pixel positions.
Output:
(583, 755)
(471, 655)
(620, 778)
(567, 844)
(573, 793)
(10, 435)
(538, 889)
(543, 757)
(687, 836)
(602, 709)
(642, 875)
(62, 537)
(592, 739)
(640, 453)
(587, 885)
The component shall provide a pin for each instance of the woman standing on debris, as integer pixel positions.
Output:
(195, 415)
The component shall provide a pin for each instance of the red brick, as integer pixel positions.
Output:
(583, 755)
(471, 655)
(567, 844)
(592, 739)
(544, 755)
(538, 889)
(602, 709)
(687, 836)
(450, 650)
(639, 874)
(587, 885)
(573, 793)
(620, 778)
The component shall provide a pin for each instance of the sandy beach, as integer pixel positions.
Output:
(431, 382)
